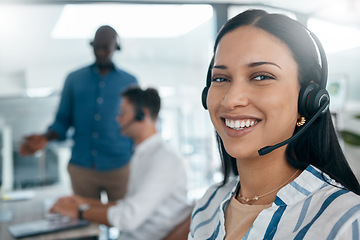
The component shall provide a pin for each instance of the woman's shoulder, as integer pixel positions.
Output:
(222, 188)
(335, 209)
(338, 194)
(334, 202)
(215, 195)
(208, 211)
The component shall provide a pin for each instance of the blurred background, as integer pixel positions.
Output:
(166, 45)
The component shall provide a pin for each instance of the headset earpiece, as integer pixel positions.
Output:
(304, 97)
(204, 96)
(317, 100)
(311, 99)
(118, 48)
(206, 88)
(139, 116)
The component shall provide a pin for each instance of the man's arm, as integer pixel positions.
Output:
(69, 206)
(97, 214)
(51, 135)
(154, 186)
(36, 142)
(57, 130)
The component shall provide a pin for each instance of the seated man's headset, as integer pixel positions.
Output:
(313, 99)
(139, 113)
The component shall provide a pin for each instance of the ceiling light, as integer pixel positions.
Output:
(130, 20)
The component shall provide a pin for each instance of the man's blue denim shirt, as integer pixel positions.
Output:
(90, 103)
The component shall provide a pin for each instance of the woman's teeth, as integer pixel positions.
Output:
(240, 124)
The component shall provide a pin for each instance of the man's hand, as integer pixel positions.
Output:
(67, 206)
(32, 144)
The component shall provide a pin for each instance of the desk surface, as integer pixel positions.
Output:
(34, 209)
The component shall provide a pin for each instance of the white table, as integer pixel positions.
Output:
(33, 209)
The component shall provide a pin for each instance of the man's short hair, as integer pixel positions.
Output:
(108, 31)
(140, 99)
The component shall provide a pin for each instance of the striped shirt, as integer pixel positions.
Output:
(307, 208)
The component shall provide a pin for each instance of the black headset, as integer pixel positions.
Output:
(139, 114)
(117, 47)
(311, 97)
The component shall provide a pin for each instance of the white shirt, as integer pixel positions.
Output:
(156, 199)
(307, 208)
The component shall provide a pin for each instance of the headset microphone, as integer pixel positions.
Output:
(268, 149)
(139, 116)
(128, 124)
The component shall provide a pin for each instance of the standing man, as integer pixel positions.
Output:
(156, 200)
(89, 103)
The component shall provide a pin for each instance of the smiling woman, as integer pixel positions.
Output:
(237, 84)
(265, 86)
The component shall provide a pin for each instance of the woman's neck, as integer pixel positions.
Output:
(262, 175)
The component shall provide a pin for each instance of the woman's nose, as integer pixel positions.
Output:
(237, 95)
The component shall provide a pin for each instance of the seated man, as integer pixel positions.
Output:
(156, 200)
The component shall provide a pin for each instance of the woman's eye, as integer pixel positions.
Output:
(219, 79)
(263, 77)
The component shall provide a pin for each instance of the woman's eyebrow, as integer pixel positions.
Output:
(220, 67)
(255, 64)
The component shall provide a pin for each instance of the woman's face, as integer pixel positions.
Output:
(253, 96)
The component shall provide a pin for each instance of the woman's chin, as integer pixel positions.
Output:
(242, 154)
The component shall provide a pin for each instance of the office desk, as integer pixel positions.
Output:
(33, 209)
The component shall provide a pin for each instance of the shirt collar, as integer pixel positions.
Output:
(150, 142)
(95, 68)
(309, 181)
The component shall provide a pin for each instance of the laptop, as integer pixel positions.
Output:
(52, 222)
(45, 226)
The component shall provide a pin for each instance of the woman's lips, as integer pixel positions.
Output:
(237, 127)
(240, 123)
